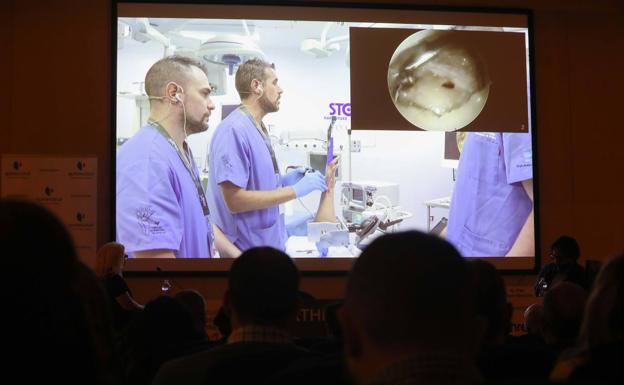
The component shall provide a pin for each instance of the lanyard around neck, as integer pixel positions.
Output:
(187, 160)
(264, 133)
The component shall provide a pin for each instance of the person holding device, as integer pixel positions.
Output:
(246, 187)
(162, 210)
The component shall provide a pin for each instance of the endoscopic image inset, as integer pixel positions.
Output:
(437, 80)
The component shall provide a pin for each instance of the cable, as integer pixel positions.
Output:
(304, 206)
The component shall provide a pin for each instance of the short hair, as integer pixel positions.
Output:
(263, 286)
(196, 304)
(567, 247)
(169, 69)
(564, 305)
(603, 321)
(408, 288)
(490, 299)
(248, 71)
(52, 300)
(109, 255)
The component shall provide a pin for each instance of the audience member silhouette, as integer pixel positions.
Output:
(491, 302)
(55, 324)
(164, 330)
(224, 325)
(534, 319)
(565, 252)
(261, 300)
(109, 264)
(564, 305)
(599, 356)
(500, 352)
(408, 316)
(196, 305)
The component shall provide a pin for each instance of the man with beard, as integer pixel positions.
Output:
(246, 186)
(162, 210)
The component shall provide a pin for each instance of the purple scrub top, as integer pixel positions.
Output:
(239, 154)
(489, 204)
(157, 202)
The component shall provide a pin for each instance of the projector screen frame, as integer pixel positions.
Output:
(316, 266)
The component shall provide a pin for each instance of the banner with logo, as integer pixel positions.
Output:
(66, 186)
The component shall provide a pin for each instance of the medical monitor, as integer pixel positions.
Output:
(430, 111)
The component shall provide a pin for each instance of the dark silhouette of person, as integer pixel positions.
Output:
(565, 253)
(598, 357)
(196, 304)
(408, 315)
(56, 327)
(261, 301)
(163, 331)
(500, 351)
(109, 263)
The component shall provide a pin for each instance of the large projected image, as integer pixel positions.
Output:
(316, 137)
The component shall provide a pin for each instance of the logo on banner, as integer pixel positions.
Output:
(49, 196)
(15, 170)
(82, 223)
(342, 111)
(81, 173)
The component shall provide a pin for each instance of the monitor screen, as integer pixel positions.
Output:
(427, 112)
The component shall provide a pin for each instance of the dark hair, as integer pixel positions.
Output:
(263, 286)
(169, 69)
(248, 71)
(564, 305)
(55, 302)
(567, 247)
(490, 299)
(603, 321)
(409, 288)
(196, 305)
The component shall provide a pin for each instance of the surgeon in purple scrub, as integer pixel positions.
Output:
(162, 211)
(491, 210)
(246, 187)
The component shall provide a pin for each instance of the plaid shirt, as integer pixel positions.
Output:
(430, 369)
(258, 333)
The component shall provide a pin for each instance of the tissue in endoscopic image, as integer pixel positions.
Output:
(438, 80)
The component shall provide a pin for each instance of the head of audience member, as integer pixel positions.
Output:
(110, 259)
(407, 294)
(332, 323)
(262, 289)
(168, 321)
(256, 82)
(564, 305)
(55, 302)
(490, 300)
(196, 304)
(534, 318)
(603, 322)
(565, 249)
(223, 323)
(179, 93)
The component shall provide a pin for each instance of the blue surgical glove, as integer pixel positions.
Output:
(322, 248)
(311, 181)
(293, 176)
